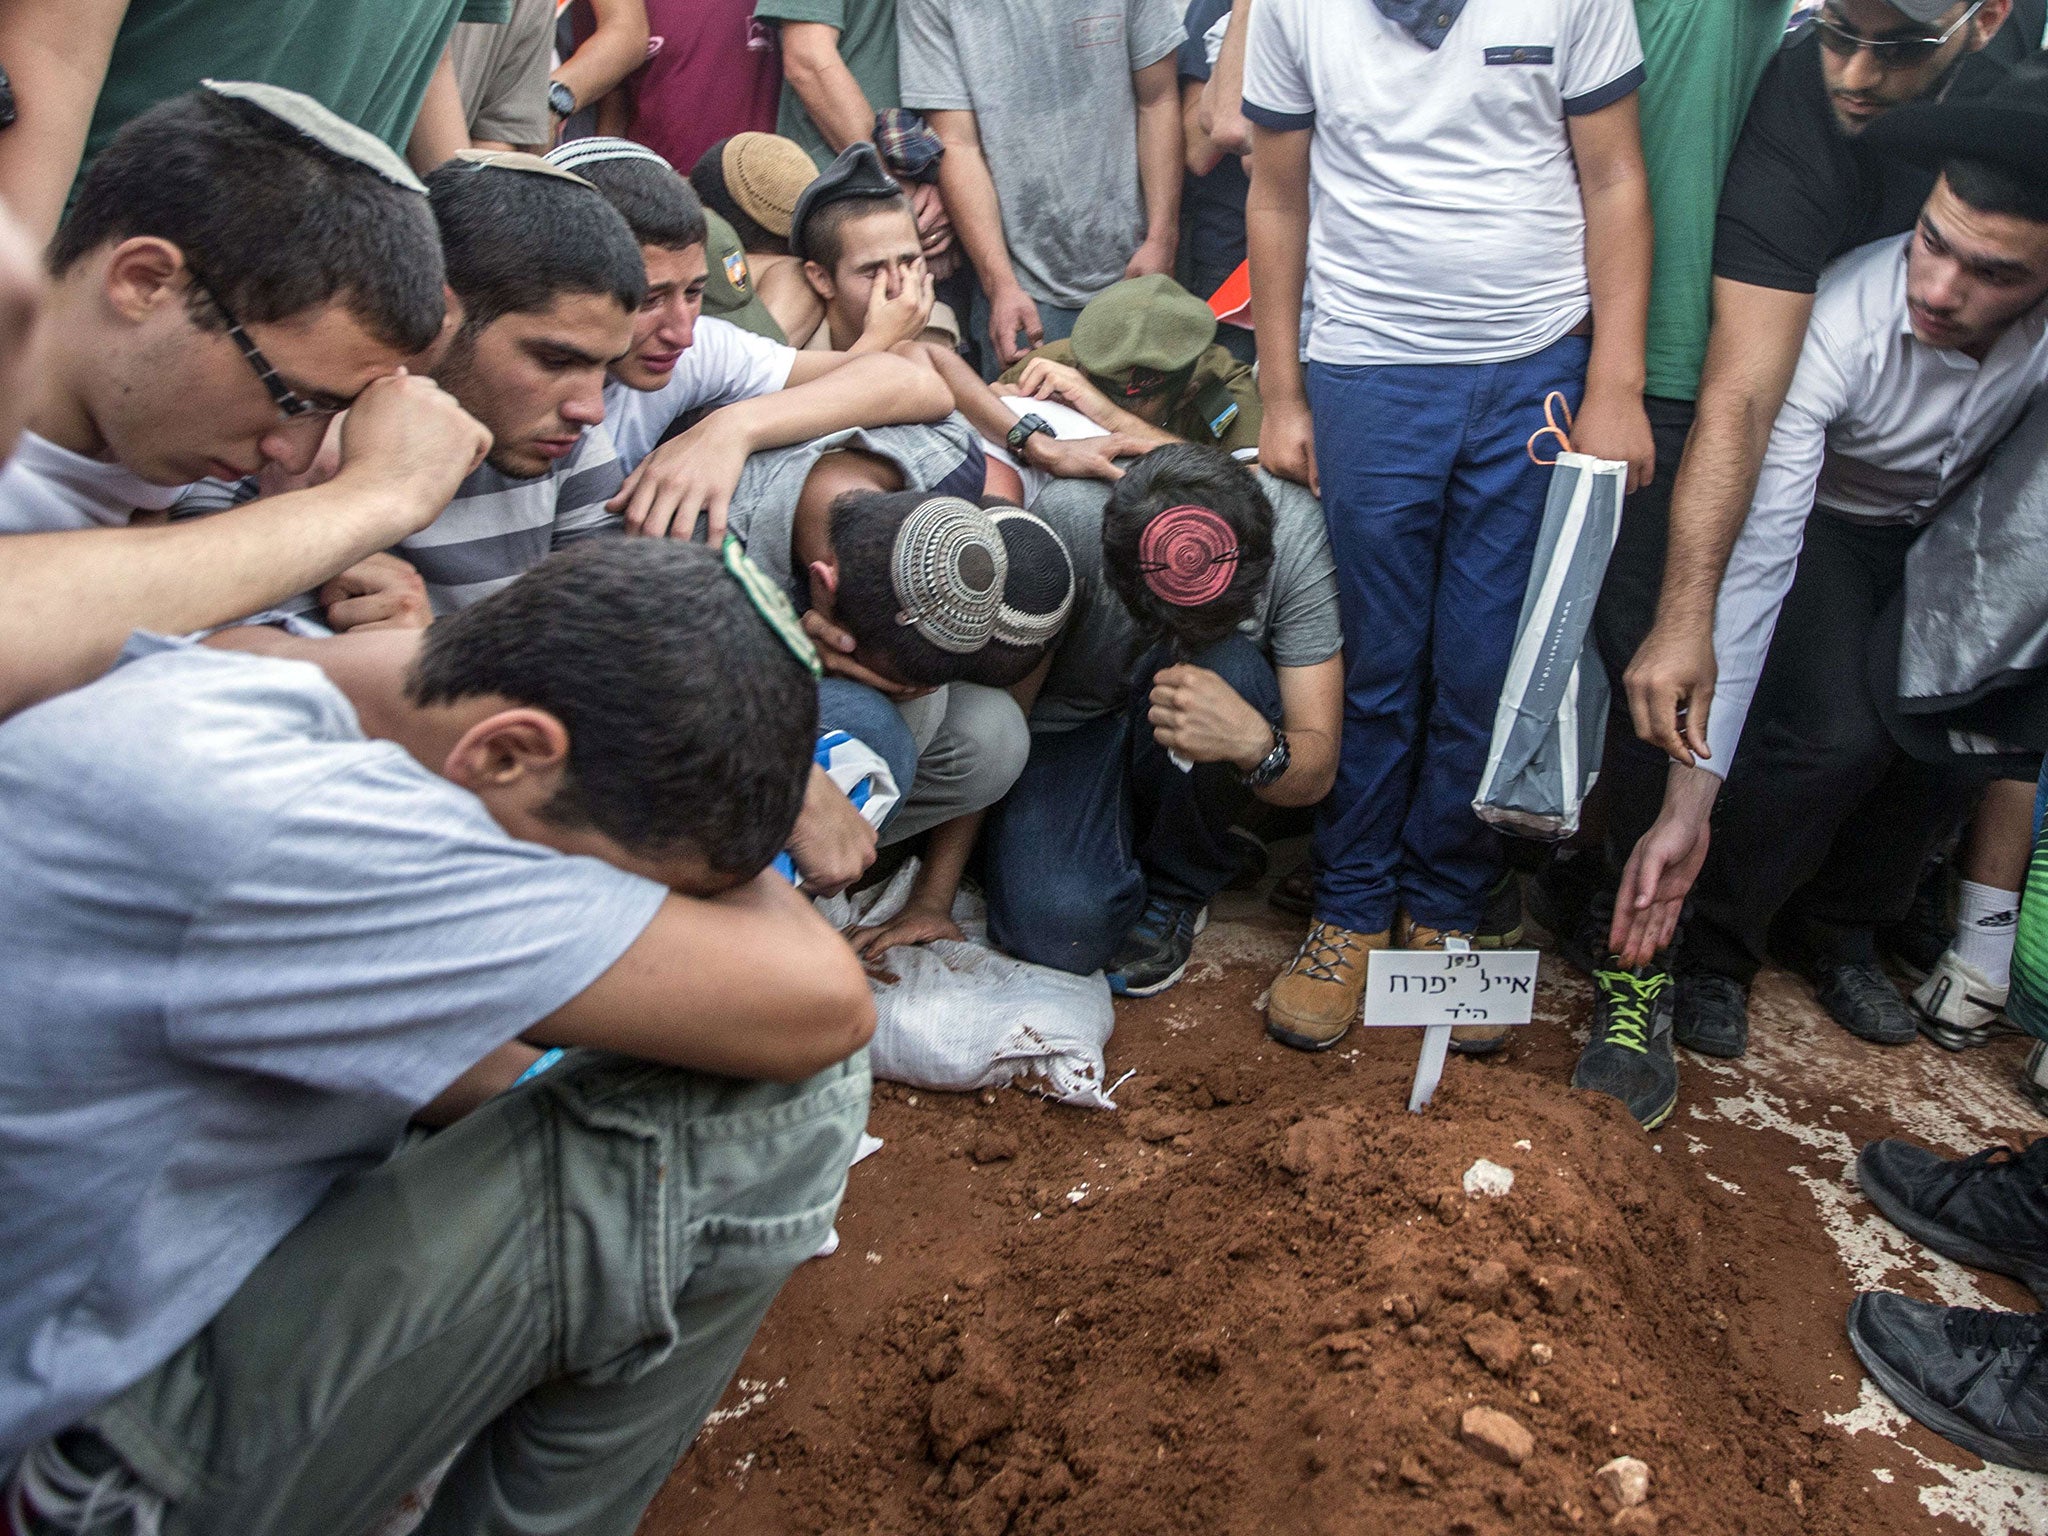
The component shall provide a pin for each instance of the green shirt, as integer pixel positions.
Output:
(367, 60)
(1220, 407)
(1701, 59)
(867, 46)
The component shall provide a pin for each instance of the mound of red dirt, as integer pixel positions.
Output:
(1259, 1299)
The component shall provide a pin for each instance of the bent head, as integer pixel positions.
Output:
(1875, 57)
(1191, 579)
(227, 283)
(1979, 257)
(549, 279)
(632, 703)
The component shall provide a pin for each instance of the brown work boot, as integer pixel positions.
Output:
(1468, 1039)
(1316, 997)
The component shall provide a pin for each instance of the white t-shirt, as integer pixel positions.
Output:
(724, 364)
(1446, 223)
(47, 489)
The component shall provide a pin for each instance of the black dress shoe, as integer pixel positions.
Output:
(1971, 1376)
(1861, 998)
(1988, 1210)
(1711, 1014)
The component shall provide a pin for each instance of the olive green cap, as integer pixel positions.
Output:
(729, 284)
(1142, 330)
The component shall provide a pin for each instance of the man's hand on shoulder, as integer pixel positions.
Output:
(696, 472)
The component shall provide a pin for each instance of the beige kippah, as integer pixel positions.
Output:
(323, 127)
(765, 175)
(517, 160)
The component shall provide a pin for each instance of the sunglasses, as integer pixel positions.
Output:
(290, 403)
(1887, 52)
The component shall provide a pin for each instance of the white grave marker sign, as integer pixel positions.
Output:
(1437, 989)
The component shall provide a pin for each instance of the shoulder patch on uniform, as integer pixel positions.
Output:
(736, 270)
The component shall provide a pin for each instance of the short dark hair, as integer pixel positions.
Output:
(863, 528)
(516, 241)
(691, 723)
(1992, 188)
(707, 176)
(661, 208)
(825, 229)
(275, 223)
(1188, 474)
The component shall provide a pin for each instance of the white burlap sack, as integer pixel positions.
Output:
(960, 1016)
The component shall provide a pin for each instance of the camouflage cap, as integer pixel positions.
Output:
(1141, 331)
(729, 283)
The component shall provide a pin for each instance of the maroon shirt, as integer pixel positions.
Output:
(718, 73)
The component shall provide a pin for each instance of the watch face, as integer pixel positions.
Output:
(561, 100)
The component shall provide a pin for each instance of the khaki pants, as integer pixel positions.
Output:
(558, 1287)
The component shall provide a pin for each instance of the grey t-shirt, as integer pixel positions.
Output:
(1295, 625)
(244, 944)
(1049, 83)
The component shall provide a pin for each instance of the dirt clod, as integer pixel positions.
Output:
(1636, 1521)
(977, 1401)
(1495, 1342)
(993, 1147)
(1499, 1437)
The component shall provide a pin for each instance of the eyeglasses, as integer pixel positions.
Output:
(1887, 52)
(290, 403)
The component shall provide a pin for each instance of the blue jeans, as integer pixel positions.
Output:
(866, 716)
(1433, 507)
(1101, 820)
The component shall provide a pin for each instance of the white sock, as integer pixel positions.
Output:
(1986, 919)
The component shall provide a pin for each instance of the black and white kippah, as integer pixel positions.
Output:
(1039, 591)
(331, 132)
(597, 148)
(949, 566)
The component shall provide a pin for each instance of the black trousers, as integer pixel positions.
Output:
(1632, 771)
(1823, 818)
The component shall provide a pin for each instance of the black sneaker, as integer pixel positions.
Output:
(1154, 954)
(1972, 1376)
(1861, 998)
(1630, 1057)
(1988, 1210)
(1710, 1013)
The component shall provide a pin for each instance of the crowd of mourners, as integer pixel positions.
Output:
(477, 467)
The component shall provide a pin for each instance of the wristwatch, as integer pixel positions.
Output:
(561, 100)
(1027, 426)
(1271, 766)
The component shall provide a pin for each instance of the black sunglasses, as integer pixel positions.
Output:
(1888, 52)
(290, 403)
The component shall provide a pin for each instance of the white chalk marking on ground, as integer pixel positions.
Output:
(1730, 1185)
(1993, 1499)
(1522, 1146)
(753, 1394)
(1882, 1474)
(1078, 1193)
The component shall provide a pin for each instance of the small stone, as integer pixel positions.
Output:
(1495, 1342)
(1402, 1306)
(1499, 1437)
(988, 1096)
(1634, 1521)
(993, 1147)
(1345, 1343)
(1486, 1284)
(1414, 1473)
(1622, 1484)
(1796, 1492)
(1421, 1333)
(1542, 1353)
(1487, 1178)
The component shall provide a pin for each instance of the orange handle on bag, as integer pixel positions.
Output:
(1554, 404)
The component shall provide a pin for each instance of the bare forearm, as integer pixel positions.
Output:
(972, 398)
(1160, 154)
(56, 57)
(1223, 97)
(947, 848)
(814, 70)
(442, 128)
(1276, 238)
(1710, 501)
(1618, 255)
(69, 601)
(873, 391)
(613, 51)
(970, 195)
